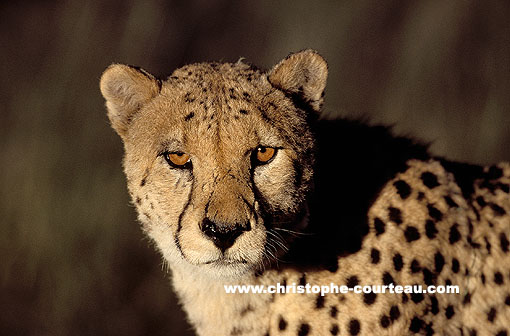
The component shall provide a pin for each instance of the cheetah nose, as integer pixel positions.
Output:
(223, 235)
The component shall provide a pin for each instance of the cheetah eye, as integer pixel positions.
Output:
(263, 155)
(178, 160)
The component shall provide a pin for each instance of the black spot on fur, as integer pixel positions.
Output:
(481, 201)
(488, 245)
(319, 303)
(428, 277)
(470, 227)
(449, 312)
(403, 189)
(417, 297)
(304, 329)
(482, 277)
(434, 213)
(451, 203)
(333, 312)
(498, 211)
(430, 229)
(395, 215)
(385, 321)
(231, 92)
(369, 298)
(334, 329)
(415, 266)
(429, 180)
(472, 243)
(411, 234)
(429, 331)
(394, 313)
(354, 327)
(387, 279)
(242, 111)
(498, 278)
(455, 265)
(507, 300)
(398, 263)
(189, 116)
(138, 200)
(502, 333)
(491, 315)
(467, 299)
(434, 305)
(503, 242)
(504, 187)
(352, 281)
(142, 183)
(454, 235)
(420, 196)
(379, 226)
(282, 324)
(416, 324)
(375, 256)
(438, 262)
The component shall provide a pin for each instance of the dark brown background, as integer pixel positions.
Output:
(73, 260)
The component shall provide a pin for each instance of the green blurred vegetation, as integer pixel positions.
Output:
(74, 261)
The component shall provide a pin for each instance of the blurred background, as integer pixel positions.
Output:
(73, 259)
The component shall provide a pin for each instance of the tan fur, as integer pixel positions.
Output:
(220, 113)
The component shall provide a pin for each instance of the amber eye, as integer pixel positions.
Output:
(264, 155)
(178, 159)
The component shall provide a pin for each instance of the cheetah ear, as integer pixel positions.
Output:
(303, 75)
(126, 89)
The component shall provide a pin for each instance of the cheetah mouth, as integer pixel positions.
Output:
(226, 262)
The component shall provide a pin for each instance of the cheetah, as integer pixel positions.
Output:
(238, 180)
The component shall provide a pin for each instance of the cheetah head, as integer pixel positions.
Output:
(218, 157)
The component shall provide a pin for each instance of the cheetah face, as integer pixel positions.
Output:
(218, 157)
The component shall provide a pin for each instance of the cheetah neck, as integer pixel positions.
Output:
(209, 307)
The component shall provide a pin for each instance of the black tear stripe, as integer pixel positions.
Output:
(258, 198)
(251, 207)
(179, 222)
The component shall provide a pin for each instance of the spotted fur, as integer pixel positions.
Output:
(340, 202)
